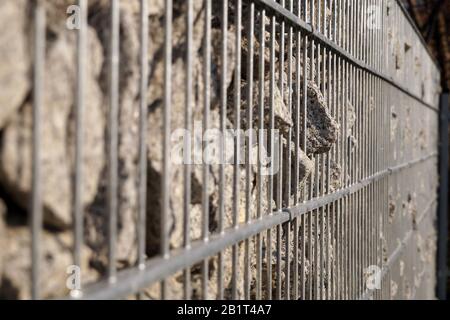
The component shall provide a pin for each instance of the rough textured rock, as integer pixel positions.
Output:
(322, 130)
(306, 166)
(57, 135)
(351, 118)
(14, 57)
(310, 263)
(128, 132)
(392, 208)
(56, 258)
(335, 176)
(282, 116)
(156, 88)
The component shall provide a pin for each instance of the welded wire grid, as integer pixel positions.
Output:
(315, 240)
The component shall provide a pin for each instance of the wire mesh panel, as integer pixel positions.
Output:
(232, 149)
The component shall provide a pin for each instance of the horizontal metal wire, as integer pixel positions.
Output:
(327, 199)
(133, 279)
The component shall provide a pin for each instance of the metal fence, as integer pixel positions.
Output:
(350, 214)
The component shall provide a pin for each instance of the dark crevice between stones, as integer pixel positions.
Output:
(95, 220)
(7, 290)
(153, 212)
(16, 216)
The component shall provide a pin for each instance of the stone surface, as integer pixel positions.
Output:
(351, 118)
(322, 129)
(336, 176)
(306, 169)
(56, 258)
(14, 57)
(156, 89)
(57, 135)
(282, 116)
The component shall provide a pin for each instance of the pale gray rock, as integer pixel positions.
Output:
(322, 129)
(14, 57)
(282, 116)
(155, 92)
(335, 176)
(56, 258)
(351, 118)
(57, 135)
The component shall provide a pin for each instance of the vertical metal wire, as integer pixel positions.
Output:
(357, 13)
(223, 110)
(360, 211)
(366, 203)
(187, 147)
(362, 155)
(375, 214)
(287, 293)
(387, 150)
(249, 160)
(383, 194)
(206, 120)
(237, 146)
(347, 230)
(380, 126)
(142, 197)
(36, 183)
(339, 232)
(354, 153)
(79, 132)
(281, 155)
(304, 104)
(272, 151)
(166, 168)
(375, 197)
(279, 227)
(352, 176)
(375, 132)
(372, 220)
(334, 212)
(348, 177)
(113, 139)
(371, 168)
(314, 183)
(297, 123)
(325, 166)
(341, 154)
(329, 215)
(340, 101)
(287, 188)
(369, 155)
(260, 148)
